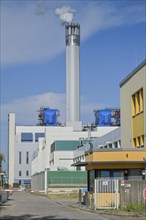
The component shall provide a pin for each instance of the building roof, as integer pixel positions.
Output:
(117, 149)
(132, 73)
(80, 164)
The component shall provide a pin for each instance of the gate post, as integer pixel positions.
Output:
(46, 181)
(95, 194)
(117, 194)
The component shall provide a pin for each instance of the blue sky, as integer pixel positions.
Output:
(33, 56)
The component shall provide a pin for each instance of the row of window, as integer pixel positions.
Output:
(20, 157)
(137, 102)
(79, 158)
(28, 136)
(20, 173)
(138, 141)
(137, 108)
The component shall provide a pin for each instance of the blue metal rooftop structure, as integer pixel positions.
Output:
(48, 117)
(107, 117)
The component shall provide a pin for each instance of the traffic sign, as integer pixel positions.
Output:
(144, 194)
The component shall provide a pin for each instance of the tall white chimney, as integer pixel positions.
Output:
(72, 34)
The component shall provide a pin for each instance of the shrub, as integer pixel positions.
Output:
(135, 207)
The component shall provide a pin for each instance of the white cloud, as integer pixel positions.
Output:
(27, 38)
(97, 17)
(26, 108)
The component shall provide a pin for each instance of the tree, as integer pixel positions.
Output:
(2, 158)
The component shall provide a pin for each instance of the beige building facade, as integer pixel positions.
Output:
(133, 108)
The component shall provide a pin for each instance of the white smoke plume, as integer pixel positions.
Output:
(66, 14)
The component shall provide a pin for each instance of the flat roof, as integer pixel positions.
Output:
(132, 73)
(117, 149)
(107, 162)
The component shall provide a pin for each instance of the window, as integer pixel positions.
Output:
(134, 142)
(27, 157)
(27, 182)
(110, 146)
(137, 118)
(27, 173)
(105, 174)
(26, 137)
(137, 102)
(20, 173)
(38, 135)
(115, 144)
(20, 155)
(138, 141)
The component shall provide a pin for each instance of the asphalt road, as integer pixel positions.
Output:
(25, 206)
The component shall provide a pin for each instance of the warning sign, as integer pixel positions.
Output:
(144, 194)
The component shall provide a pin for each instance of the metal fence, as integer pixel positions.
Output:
(66, 180)
(46, 179)
(106, 194)
(38, 182)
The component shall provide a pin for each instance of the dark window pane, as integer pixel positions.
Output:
(27, 157)
(20, 157)
(26, 137)
(38, 135)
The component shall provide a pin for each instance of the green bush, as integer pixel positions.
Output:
(135, 207)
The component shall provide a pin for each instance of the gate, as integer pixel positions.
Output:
(106, 194)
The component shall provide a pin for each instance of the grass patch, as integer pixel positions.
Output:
(63, 196)
(135, 207)
(57, 195)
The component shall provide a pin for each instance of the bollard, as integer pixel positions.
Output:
(80, 197)
(87, 200)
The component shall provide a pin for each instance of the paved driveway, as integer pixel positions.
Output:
(23, 206)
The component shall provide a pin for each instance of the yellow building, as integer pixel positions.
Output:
(129, 161)
(133, 108)
(106, 166)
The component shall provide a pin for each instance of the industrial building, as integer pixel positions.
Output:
(50, 145)
(32, 149)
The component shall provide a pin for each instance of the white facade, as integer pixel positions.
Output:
(110, 140)
(21, 151)
(44, 159)
(25, 145)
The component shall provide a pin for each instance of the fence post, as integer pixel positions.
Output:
(117, 194)
(95, 194)
(46, 181)
(80, 197)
